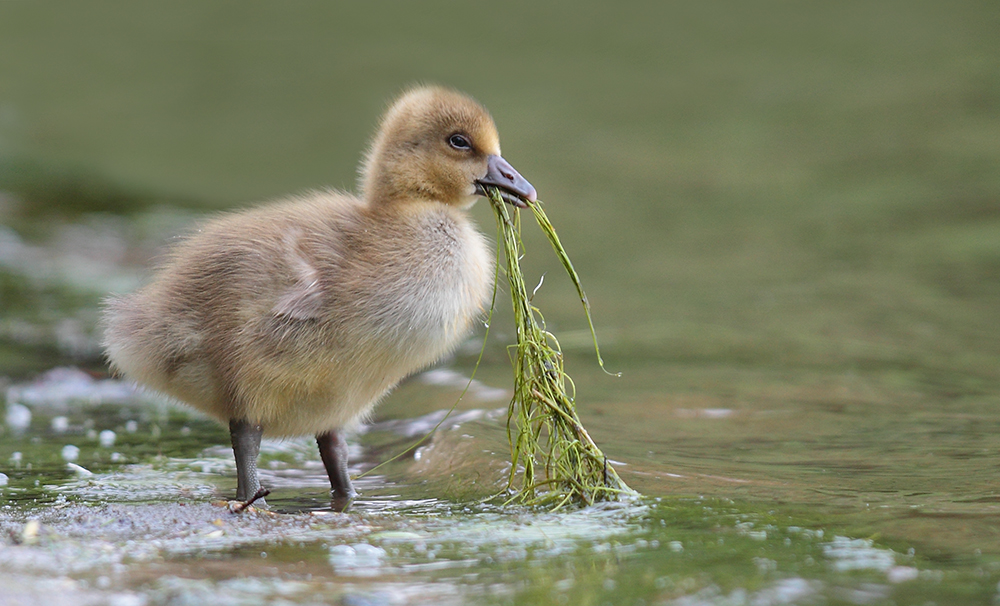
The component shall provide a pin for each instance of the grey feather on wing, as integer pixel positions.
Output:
(304, 300)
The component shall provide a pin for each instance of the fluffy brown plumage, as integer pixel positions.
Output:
(296, 317)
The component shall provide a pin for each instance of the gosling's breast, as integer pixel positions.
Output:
(437, 282)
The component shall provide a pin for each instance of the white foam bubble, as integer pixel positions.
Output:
(18, 416)
(70, 453)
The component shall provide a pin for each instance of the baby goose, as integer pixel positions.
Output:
(296, 317)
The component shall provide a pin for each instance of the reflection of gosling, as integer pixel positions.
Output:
(297, 317)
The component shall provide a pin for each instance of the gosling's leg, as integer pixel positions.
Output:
(246, 446)
(333, 451)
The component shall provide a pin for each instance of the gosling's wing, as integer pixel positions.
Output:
(303, 299)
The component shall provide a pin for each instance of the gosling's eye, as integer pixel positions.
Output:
(459, 142)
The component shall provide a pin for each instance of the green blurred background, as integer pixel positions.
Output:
(820, 175)
(774, 206)
(830, 170)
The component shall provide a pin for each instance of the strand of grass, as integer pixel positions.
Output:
(550, 233)
(543, 427)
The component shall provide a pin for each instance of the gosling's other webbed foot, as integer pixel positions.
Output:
(333, 451)
(246, 446)
(259, 497)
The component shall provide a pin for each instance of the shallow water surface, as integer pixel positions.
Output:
(115, 495)
(786, 219)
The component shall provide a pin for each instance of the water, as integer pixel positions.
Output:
(786, 219)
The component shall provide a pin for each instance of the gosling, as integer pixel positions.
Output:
(298, 316)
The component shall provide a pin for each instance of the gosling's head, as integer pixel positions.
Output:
(438, 144)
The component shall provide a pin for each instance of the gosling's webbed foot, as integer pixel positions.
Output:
(333, 451)
(246, 446)
(341, 503)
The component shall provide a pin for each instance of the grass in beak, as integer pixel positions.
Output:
(554, 461)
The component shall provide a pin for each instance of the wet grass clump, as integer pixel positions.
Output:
(554, 460)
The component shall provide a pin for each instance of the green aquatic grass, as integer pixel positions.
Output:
(554, 460)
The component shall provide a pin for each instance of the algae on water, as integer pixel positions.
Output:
(554, 460)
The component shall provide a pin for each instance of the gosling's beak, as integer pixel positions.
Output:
(514, 189)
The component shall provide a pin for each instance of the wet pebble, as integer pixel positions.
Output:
(3, 479)
(107, 438)
(29, 533)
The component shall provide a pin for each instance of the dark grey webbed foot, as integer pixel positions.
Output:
(246, 446)
(333, 451)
